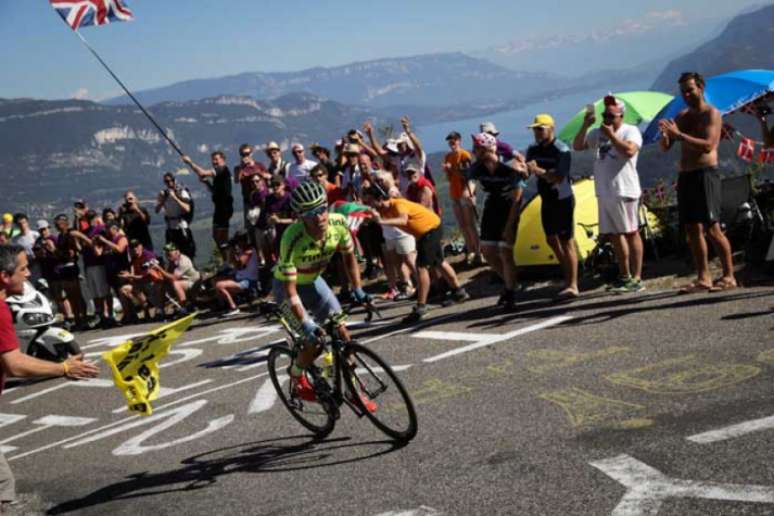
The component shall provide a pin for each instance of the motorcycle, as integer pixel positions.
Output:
(34, 320)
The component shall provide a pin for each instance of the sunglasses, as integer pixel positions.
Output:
(311, 214)
(609, 115)
(318, 175)
(298, 152)
(245, 154)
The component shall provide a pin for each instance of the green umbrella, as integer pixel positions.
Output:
(641, 106)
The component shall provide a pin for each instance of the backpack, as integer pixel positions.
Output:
(188, 217)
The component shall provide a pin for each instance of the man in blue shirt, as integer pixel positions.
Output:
(549, 159)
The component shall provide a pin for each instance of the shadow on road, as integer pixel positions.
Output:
(201, 471)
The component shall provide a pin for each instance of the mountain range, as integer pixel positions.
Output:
(426, 80)
(742, 44)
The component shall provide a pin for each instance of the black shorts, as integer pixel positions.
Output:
(699, 196)
(558, 217)
(493, 221)
(222, 217)
(430, 248)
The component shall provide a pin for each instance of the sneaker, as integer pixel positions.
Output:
(416, 315)
(369, 404)
(460, 295)
(405, 295)
(390, 294)
(302, 389)
(618, 283)
(233, 313)
(632, 285)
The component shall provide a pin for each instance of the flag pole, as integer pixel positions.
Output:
(137, 102)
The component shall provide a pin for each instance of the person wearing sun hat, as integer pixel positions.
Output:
(549, 159)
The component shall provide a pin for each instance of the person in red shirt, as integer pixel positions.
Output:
(14, 271)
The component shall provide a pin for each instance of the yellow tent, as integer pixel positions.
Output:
(531, 247)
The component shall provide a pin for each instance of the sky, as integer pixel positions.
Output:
(174, 40)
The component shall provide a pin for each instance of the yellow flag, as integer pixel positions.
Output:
(135, 364)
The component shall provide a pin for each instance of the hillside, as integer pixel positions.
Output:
(745, 43)
(428, 80)
(55, 151)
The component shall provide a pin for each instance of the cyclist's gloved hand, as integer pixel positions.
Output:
(310, 329)
(360, 296)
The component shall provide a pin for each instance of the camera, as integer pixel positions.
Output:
(763, 109)
(149, 264)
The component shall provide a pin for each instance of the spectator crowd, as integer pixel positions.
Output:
(95, 257)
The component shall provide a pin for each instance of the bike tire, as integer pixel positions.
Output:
(318, 417)
(373, 378)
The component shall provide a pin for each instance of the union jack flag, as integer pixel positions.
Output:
(746, 150)
(84, 13)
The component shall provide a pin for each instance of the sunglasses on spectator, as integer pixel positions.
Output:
(311, 214)
(298, 152)
(609, 115)
(245, 154)
(319, 174)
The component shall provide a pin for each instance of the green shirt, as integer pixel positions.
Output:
(302, 259)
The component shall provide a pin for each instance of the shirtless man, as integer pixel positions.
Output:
(698, 185)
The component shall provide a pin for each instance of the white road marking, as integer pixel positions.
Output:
(733, 431)
(434, 320)
(422, 510)
(130, 418)
(94, 382)
(266, 396)
(648, 488)
(451, 335)
(489, 339)
(47, 422)
(134, 445)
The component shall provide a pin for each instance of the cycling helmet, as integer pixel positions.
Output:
(308, 196)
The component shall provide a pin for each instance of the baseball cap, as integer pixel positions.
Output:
(42, 224)
(484, 140)
(542, 120)
(7, 218)
(454, 135)
(411, 167)
(171, 246)
(79, 204)
(272, 146)
(61, 216)
(489, 127)
(134, 242)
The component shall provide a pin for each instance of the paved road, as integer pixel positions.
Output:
(645, 404)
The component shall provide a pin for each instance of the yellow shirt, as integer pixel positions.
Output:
(420, 219)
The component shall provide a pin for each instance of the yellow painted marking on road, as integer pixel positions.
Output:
(434, 389)
(555, 359)
(767, 357)
(684, 375)
(587, 410)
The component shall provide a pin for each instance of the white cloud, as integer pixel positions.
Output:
(81, 94)
(671, 14)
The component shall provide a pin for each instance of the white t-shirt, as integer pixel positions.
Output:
(27, 241)
(615, 175)
(300, 171)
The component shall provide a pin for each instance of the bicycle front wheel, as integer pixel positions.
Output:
(370, 378)
(314, 415)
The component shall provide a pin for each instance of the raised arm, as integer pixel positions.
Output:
(369, 130)
(406, 123)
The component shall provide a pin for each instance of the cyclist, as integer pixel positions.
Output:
(305, 250)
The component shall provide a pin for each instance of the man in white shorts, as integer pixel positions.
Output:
(617, 186)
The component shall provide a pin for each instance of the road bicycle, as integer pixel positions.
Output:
(345, 373)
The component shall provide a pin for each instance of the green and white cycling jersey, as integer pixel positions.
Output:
(302, 259)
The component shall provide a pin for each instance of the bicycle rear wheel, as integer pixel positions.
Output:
(317, 416)
(368, 375)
